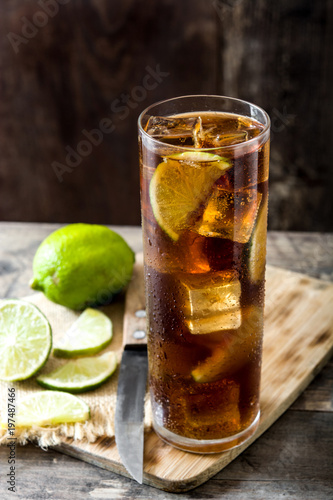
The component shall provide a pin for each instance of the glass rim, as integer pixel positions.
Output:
(187, 148)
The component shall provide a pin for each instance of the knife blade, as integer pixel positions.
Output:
(129, 427)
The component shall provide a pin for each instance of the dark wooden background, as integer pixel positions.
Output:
(61, 78)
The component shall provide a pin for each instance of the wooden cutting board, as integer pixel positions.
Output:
(298, 341)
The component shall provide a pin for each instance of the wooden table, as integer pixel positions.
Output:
(293, 459)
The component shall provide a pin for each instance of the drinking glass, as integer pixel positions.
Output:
(204, 194)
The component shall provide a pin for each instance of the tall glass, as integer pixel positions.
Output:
(204, 193)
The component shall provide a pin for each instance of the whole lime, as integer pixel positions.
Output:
(82, 265)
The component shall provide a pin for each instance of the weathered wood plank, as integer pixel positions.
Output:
(279, 55)
(308, 253)
(297, 341)
(300, 438)
(298, 337)
(64, 77)
(318, 396)
(91, 61)
(298, 469)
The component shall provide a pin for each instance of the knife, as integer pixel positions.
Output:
(129, 427)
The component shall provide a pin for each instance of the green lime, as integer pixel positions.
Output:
(257, 254)
(88, 335)
(180, 184)
(51, 408)
(82, 265)
(25, 340)
(81, 375)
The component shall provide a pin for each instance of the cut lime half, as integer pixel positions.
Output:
(88, 335)
(51, 408)
(81, 375)
(25, 340)
(180, 184)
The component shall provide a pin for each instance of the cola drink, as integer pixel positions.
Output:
(204, 199)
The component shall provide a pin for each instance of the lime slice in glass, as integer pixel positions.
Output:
(25, 340)
(201, 156)
(50, 408)
(180, 184)
(257, 254)
(81, 375)
(88, 335)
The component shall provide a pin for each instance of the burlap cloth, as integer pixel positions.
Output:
(102, 401)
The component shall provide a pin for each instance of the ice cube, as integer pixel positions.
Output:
(225, 139)
(220, 321)
(230, 215)
(234, 350)
(172, 128)
(218, 135)
(211, 303)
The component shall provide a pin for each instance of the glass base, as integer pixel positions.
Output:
(206, 446)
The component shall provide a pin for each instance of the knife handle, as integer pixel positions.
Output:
(135, 330)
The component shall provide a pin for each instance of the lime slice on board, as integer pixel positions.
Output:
(180, 184)
(25, 340)
(257, 254)
(88, 335)
(51, 408)
(81, 375)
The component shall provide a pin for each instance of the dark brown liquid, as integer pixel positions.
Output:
(204, 352)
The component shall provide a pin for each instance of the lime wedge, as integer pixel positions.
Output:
(51, 408)
(257, 254)
(25, 340)
(180, 184)
(81, 375)
(88, 335)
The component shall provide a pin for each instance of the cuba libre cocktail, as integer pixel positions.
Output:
(204, 194)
